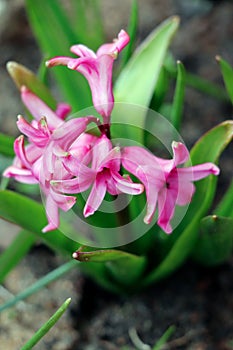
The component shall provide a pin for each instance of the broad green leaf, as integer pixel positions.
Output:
(17, 249)
(225, 207)
(178, 101)
(119, 263)
(23, 76)
(215, 240)
(30, 215)
(6, 145)
(136, 83)
(207, 149)
(41, 283)
(54, 34)
(47, 326)
(227, 73)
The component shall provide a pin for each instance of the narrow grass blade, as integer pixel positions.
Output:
(47, 326)
(165, 337)
(41, 283)
(227, 73)
(201, 84)
(178, 101)
(15, 252)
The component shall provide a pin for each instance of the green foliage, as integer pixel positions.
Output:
(215, 241)
(30, 215)
(118, 263)
(23, 76)
(141, 71)
(225, 206)
(6, 145)
(15, 252)
(131, 30)
(178, 101)
(227, 73)
(47, 326)
(55, 35)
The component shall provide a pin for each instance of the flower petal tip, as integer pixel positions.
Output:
(215, 170)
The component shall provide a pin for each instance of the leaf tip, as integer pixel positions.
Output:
(218, 58)
(68, 301)
(175, 19)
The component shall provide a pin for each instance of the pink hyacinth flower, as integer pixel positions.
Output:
(97, 69)
(103, 176)
(165, 183)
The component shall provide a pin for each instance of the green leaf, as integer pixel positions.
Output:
(164, 338)
(55, 35)
(227, 73)
(7, 145)
(215, 241)
(47, 326)
(201, 84)
(23, 76)
(118, 263)
(185, 236)
(15, 252)
(136, 83)
(41, 283)
(30, 215)
(131, 30)
(87, 22)
(225, 206)
(178, 101)
(161, 89)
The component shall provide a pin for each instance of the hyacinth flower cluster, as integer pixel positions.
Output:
(65, 160)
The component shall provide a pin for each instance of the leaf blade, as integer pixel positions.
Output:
(46, 326)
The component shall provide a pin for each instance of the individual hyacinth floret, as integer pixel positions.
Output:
(97, 69)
